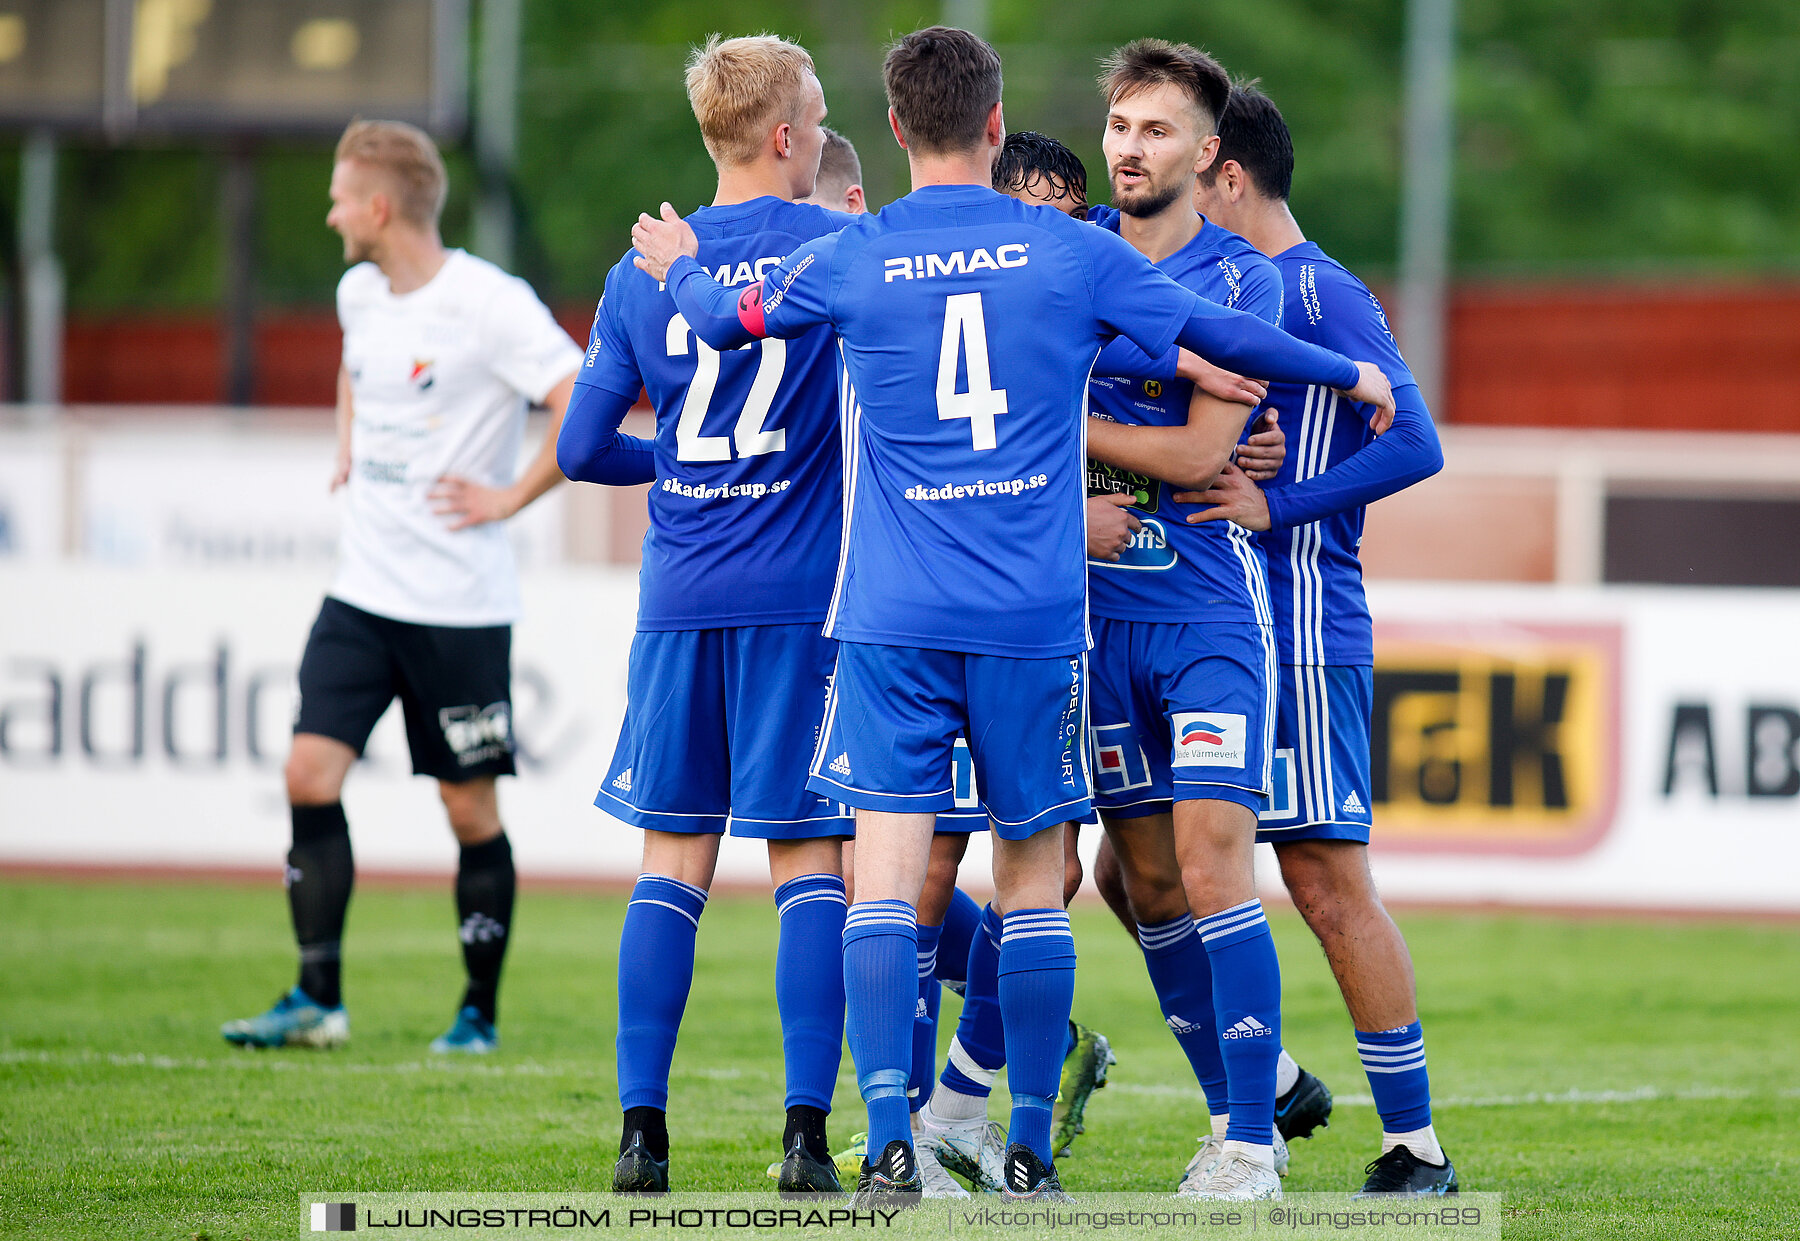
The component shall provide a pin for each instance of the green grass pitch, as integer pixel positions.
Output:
(1613, 1078)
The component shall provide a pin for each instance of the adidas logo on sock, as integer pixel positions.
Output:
(1353, 804)
(1179, 1025)
(841, 764)
(623, 781)
(1249, 1027)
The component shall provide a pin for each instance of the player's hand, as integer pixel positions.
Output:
(1233, 497)
(1373, 389)
(1262, 454)
(469, 503)
(1219, 382)
(340, 473)
(1110, 525)
(660, 242)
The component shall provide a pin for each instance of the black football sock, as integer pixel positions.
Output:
(485, 884)
(809, 1123)
(653, 1123)
(320, 874)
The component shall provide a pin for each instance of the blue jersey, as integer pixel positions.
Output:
(968, 323)
(744, 514)
(1172, 570)
(1315, 577)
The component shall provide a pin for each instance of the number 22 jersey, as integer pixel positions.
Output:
(744, 513)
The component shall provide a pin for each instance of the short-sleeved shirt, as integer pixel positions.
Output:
(440, 380)
(1174, 571)
(968, 323)
(1315, 575)
(745, 512)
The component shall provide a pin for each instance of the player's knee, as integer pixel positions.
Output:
(473, 810)
(310, 782)
(1326, 872)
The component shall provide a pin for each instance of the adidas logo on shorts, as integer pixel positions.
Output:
(1353, 804)
(921, 1012)
(841, 764)
(1249, 1027)
(622, 781)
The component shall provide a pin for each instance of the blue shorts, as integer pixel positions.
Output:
(1180, 712)
(895, 713)
(1321, 755)
(719, 727)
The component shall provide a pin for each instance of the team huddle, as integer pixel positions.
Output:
(989, 511)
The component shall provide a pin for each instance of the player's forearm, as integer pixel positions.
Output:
(346, 411)
(1188, 456)
(1126, 360)
(1251, 346)
(710, 308)
(543, 473)
(1405, 454)
(591, 449)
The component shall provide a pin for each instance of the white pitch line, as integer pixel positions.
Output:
(277, 1062)
(1640, 1094)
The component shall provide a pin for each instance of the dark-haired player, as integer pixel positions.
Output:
(968, 322)
(1312, 519)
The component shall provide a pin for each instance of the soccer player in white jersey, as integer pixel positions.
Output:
(443, 352)
(1311, 517)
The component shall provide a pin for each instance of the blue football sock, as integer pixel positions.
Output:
(1181, 973)
(809, 986)
(980, 1033)
(1037, 986)
(1247, 1008)
(1395, 1063)
(881, 989)
(925, 1016)
(962, 922)
(656, 969)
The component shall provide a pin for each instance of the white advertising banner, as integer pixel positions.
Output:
(203, 495)
(1616, 747)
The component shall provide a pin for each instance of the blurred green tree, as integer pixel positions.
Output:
(1612, 137)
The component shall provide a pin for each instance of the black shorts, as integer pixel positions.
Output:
(454, 685)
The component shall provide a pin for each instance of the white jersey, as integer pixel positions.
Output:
(440, 379)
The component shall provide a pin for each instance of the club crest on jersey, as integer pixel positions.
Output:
(421, 376)
(956, 263)
(1153, 388)
(1209, 739)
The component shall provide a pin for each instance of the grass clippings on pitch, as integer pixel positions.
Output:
(1613, 1078)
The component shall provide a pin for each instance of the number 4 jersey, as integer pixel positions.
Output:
(969, 322)
(744, 513)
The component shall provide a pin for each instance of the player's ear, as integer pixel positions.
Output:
(894, 124)
(784, 140)
(856, 200)
(996, 127)
(1209, 151)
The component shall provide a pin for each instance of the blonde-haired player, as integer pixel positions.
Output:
(443, 352)
(729, 667)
